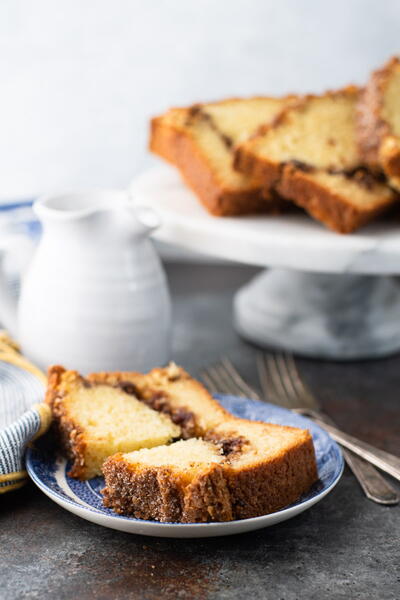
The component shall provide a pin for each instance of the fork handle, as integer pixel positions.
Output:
(383, 460)
(373, 484)
(375, 487)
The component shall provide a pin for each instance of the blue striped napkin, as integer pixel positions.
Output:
(23, 416)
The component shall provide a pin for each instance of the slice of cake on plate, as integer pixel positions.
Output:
(182, 482)
(93, 421)
(105, 413)
(379, 121)
(268, 466)
(241, 469)
(200, 140)
(309, 155)
(127, 424)
(174, 392)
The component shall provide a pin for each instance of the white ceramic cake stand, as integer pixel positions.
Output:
(325, 295)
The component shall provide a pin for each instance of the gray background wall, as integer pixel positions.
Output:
(79, 79)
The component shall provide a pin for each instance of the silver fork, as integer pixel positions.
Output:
(223, 378)
(219, 378)
(281, 382)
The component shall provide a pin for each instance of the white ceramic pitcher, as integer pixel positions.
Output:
(94, 296)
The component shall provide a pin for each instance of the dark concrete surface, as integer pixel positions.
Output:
(345, 547)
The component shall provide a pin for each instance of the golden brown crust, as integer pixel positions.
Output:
(70, 436)
(293, 183)
(219, 493)
(179, 149)
(267, 171)
(162, 495)
(390, 157)
(274, 484)
(372, 129)
(176, 146)
(54, 376)
(208, 497)
(334, 210)
(150, 494)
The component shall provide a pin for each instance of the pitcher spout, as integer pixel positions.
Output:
(78, 206)
(142, 220)
(110, 209)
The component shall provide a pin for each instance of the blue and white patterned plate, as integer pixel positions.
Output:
(84, 498)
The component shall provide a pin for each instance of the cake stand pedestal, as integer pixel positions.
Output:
(324, 295)
(329, 316)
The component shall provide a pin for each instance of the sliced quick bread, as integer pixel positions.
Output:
(200, 140)
(241, 469)
(172, 391)
(105, 413)
(309, 154)
(378, 119)
(95, 420)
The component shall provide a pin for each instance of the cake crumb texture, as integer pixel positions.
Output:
(310, 155)
(199, 140)
(95, 421)
(241, 469)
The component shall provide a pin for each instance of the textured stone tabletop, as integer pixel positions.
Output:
(345, 547)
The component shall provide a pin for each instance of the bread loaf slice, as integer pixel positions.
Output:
(309, 154)
(241, 469)
(378, 119)
(103, 413)
(93, 421)
(182, 482)
(199, 141)
(123, 424)
(172, 391)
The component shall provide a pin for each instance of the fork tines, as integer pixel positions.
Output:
(225, 379)
(281, 381)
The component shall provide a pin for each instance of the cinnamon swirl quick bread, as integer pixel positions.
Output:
(105, 413)
(336, 155)
(309, 155)
(240, 469)
(379, 121)
(199, 141)
(173, 392)
(222, 468)
(93, 421)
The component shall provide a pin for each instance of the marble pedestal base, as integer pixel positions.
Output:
(343, 317)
